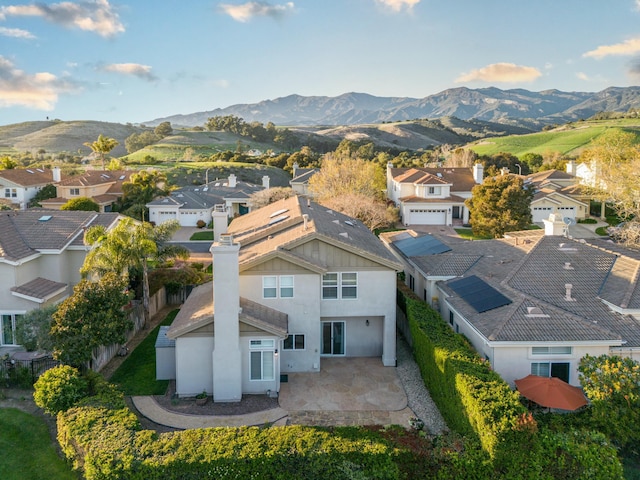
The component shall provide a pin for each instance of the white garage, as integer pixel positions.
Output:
(569, 212)
(541, 213)
(160, 216)
(427, 216)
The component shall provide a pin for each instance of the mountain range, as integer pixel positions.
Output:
(515, 107)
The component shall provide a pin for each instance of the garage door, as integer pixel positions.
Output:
(164, 216)
(541, 213)
(567, 212)
(427, 217)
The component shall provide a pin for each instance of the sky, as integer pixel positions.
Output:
(138, 60)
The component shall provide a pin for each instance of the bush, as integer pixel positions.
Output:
(201, 224)
(59, 388)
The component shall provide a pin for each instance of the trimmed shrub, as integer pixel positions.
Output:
(59, 388)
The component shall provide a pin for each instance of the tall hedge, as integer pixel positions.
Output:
(475, 401)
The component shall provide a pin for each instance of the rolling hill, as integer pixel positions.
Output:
(569, 139)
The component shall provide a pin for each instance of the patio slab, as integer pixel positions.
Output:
(344, 384)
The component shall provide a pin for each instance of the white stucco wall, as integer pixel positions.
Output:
(194, 366)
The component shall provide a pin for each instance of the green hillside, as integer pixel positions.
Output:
(568, 139)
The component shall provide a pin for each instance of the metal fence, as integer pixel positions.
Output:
(24, 373)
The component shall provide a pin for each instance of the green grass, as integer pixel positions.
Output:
(204, 235)
(28, 452)
(467, 234)
(137, 374)
(602, 231)
(569, 139)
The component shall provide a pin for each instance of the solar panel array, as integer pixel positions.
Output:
(418, 246)
(478, 293)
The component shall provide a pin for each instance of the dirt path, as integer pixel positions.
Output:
(108, 370)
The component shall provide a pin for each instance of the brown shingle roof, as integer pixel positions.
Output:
(39, 288)
(27, 177)
(99, 177)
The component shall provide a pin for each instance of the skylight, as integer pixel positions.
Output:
(45, 218)
(30, 171)
(279, 212)
(350, 223)
(40, 170)
(122, 177)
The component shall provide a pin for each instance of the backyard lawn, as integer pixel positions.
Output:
(137, 374)
(204, 235)
(27, 450)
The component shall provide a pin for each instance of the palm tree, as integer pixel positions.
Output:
(102, 146)
(131, 245)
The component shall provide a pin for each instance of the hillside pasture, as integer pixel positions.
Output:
(569, 139)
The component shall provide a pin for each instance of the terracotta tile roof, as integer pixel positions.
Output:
(99, 177)
(415, 199)
(549, 175)
(461, 179)
(27, 177)
(40, 288)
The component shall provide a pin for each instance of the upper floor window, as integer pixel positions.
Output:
(340, 285)
(277, 286)
(552, 350)
(433, 190)
(10, 192)
(294, 341)
(74, 191)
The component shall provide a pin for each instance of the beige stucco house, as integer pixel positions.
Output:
(41, 253)
(293, 283)
(102, 186)
(19, 185)
(531, 303)
(559, 193)
(432, 196)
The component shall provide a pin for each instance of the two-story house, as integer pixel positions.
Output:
(293, 282)
(432, 196)
(559, 193)
(102, 186)
(19, 185)
(41, 253)
(532, 303)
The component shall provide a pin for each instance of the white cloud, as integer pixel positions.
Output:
(39, 91)
(397, 5)
(628, 47)
(135, 69)
(246, 11)
(501, 73)
(91, 15)
(583, 76)
(16, 33)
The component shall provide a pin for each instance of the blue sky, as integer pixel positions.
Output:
(136, 60)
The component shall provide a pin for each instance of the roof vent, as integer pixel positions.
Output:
(350, 223)
(567, 297)
(535, 312)
(567, 266)
(344, 234)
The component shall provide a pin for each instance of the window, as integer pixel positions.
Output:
(551, 369)
(262, 363)
(269, 287)
(412, 282)
(432, 190)
(293, 342)
(450, 318)
(8, 329)
(330, 286)
(74, 192)
(345, 283)
(554, 350)
(286, 286)
(273, 286)
(10, 192)
(349, 285)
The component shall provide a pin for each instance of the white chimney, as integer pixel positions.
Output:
(478, 173)
(305, 217)
(554, 225)
(220, 221)
(295, 169)
(265, 182)
(567, 297)
(227, 358)
(232, 181)
(571, 167)
(56, 174)
(504, 171)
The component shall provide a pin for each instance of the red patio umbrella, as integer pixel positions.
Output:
(551, 392)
